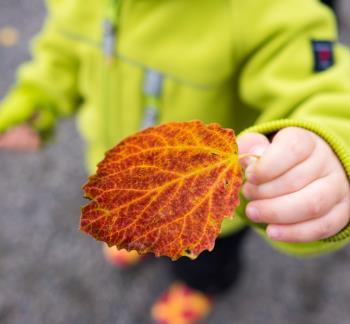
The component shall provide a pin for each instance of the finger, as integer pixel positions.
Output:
(315, 229)
(21, 138)
(289, 147)
(291, 181)
(254, 143)
(32, 144)
(313, 201)
(7, 140)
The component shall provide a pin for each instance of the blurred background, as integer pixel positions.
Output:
(52, 273)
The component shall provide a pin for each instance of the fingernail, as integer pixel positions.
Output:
(273, 232)
(257, 150)
(245, 192)
(253, 213)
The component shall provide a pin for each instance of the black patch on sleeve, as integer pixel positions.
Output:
(323, 55)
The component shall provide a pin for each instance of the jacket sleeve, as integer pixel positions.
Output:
(280, 77)
(46, 87)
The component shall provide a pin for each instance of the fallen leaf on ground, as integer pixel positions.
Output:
(8, 36)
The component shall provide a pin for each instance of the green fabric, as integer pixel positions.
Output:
(238, 63)
(22, 106)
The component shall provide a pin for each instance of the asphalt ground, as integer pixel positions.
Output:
(52, 273)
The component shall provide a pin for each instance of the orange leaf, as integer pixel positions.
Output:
(165, 190)
(8, 36)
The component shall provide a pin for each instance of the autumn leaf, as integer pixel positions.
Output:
(8, 36)
(165, 190)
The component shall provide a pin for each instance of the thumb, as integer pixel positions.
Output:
(254, 143)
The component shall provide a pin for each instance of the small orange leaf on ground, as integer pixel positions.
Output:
(8, 36)
(165, 190)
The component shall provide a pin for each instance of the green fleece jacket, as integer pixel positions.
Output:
(249, 65)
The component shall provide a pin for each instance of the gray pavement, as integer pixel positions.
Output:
(51, 273)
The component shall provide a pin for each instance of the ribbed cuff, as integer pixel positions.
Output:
(334, 141)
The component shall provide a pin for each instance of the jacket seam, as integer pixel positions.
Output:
(95, 44)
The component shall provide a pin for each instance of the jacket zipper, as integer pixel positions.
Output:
(110, 26)
(153, 81)
(110, 38)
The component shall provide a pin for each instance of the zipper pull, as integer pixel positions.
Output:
(109, 41)
(150, 117)
(152, 91)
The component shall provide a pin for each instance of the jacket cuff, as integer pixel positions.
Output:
(27, 104)
(340, 148)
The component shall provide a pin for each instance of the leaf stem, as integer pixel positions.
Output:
(245, 155)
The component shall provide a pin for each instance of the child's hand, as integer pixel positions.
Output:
(297, 186)
(21, 138)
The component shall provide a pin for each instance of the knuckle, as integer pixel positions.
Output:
(344, 217)
(248, 191)
(314, 206)
(342, 185)
(272, 216)
(266, 191)
(295, 147)
(344, 220)
(294, 235)
(296, 183)
(255, 192)
(300, 141)
(256, 174)
(323, 230)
